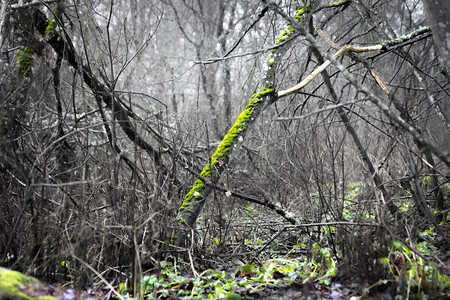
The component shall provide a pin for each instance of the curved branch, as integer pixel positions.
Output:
(195, 199)
(100, 91)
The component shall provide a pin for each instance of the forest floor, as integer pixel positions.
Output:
(272, 279)
(264, 291)
(309, 291)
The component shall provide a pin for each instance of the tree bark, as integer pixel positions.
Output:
(438, 13)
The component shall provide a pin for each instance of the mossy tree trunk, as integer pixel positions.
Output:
(198, 195)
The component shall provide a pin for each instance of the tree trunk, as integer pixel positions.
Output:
(438, 13)
(196, 198)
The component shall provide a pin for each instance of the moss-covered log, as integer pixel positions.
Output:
(15, 285)
(196, 198)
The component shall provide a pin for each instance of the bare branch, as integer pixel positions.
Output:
(32, 4)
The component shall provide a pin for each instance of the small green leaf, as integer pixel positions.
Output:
(233, 296)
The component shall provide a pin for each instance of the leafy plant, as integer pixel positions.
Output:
(246, 280)
(412, 272)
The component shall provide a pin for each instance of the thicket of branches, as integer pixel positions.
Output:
(111, 109)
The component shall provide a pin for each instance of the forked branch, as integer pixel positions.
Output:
(322, 67)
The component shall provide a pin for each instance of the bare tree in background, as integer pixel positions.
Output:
(438, 13)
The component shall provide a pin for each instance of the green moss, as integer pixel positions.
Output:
(301, 12)
(51, 28)
(25, 62)
(12, 285)
(223, 151)
(289, 29)
(407, 36)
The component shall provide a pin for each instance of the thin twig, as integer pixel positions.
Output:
(217, 59)
(327, 108)
(31, 4)
(108, 284)
(344, 223)
(191, 261)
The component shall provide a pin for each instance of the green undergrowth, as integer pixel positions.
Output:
(410, 276)
(415, 274)
(412, 268)
(417, 266)
(238, 282)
